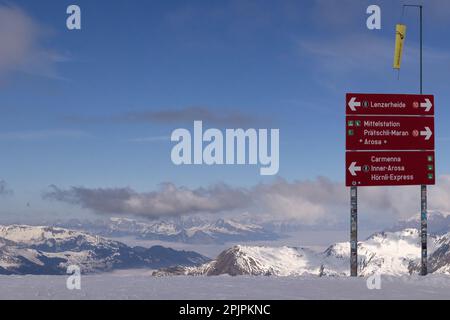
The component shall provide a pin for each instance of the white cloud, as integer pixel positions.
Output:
(307, 201)
(39, 135)
(149, 139)
(314, 202)
(440, 195)
(21, 48)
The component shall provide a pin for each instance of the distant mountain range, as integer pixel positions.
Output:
(438, 223)
(192, 231)
(392, 253)
(50, 250)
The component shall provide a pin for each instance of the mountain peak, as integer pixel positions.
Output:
(391, 253)
(49, 250)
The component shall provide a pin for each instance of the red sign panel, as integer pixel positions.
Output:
(390, 168)
(389, 133)
(389, 104)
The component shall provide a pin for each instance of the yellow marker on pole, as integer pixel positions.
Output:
(400, 34)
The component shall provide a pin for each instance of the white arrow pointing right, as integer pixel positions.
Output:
(353, 104)
(353, 169)
(427, 133)
(427, 105)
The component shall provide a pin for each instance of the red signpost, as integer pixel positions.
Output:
(390, 133)
(389, 142)
(389, 104)
(390, 168)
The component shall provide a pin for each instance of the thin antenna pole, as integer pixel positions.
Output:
(423, 188)
(421, 50)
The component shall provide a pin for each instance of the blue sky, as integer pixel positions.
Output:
(66, 97)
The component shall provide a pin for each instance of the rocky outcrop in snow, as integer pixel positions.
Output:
(391, 253)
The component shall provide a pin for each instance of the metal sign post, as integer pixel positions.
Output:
(423, 230)
(354, 231)
(390, 141)
(423, 188)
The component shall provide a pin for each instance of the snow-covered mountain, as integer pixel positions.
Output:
(49, 250)
(193, 230)
(439, 261)
(392, 253)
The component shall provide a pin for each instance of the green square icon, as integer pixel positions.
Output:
(430, 167)
(351, 132)
(351, 123)
(430, 176)
(358, 123)
(430, 158)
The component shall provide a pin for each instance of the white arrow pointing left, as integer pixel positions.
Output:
(427, 133)
(353, 169)
(353, 104)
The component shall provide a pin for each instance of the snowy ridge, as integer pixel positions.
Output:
(49, 237)
(389, 253)
(193, 231)
(49, 250)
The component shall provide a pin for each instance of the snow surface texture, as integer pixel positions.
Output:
(138, 286)
(389, 253)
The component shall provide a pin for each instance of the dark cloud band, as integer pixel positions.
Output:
(169, 200)
(313, 202)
